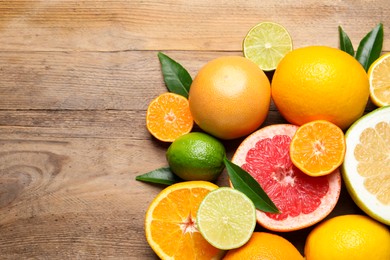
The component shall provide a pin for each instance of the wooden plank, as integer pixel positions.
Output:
(74, 198)
(99, 25)
(87, 80)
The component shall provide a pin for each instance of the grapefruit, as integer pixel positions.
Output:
(230, 97)
(302, 200)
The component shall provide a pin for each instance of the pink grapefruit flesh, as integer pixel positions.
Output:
(301, 199)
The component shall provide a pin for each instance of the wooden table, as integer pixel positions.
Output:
(76, 78)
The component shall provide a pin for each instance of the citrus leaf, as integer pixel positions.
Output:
(245, 183)
(176, 77)
(160, 176)
(345, 43)
(370, 47)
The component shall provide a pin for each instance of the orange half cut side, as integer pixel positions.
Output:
(170, 222)
(318, 148)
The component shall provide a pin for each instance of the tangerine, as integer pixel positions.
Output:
(168, 117)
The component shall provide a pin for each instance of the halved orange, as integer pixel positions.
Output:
(318, 148)
(170, 222)
(168, 117)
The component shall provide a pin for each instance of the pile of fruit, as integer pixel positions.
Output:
(283, 177)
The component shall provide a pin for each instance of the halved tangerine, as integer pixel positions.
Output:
(301, 199)
(318, 148)
(168, 117)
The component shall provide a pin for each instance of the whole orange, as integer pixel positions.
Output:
(263, 245)
(230, 97)
(319, 82)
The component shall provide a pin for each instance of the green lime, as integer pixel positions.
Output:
(266, 44)
(196, 156)
(226, 218)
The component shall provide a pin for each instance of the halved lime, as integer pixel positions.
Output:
(266, 44)
(366, 167)
(226, 218)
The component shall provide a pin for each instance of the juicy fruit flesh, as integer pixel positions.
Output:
(380, 81)
(318, 148)
(280, 179)
(366, 167)
(168, 117)
(226, 218)
(373, 157)
(266, 44)
(170, 223)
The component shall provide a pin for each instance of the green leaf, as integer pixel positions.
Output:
(370, 47)
(345, 43)
(245, 183)
(176, 77)
(160, 176)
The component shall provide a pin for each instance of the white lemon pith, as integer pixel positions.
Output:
(366, 167)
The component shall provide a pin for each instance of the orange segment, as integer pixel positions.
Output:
(168, 117)
(318, 148)
(170, 222)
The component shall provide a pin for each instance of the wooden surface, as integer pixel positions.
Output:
(75, 81)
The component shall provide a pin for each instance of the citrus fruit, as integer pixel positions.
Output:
(318, 148)
(366, 167)
(226, 218)
(301, 199)
(343, 237)
(170, 222)
(265, 246)
(320, 82)
(379, 78)
(196, 156)
(168, 117)
(266, 44)
(230, 97)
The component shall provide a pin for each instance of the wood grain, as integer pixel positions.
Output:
(76, 78)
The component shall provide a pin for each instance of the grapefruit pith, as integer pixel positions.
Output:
(301, 199)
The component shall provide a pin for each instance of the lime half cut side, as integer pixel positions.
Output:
(266, 44)
(366, 167)
(226, 218)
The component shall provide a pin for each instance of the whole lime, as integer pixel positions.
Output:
(196, 156)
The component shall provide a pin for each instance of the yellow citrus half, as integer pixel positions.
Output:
(379, 76)
(366, 167)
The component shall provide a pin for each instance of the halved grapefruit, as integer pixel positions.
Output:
(301, 199)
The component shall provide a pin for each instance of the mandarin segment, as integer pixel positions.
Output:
(168, 117)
